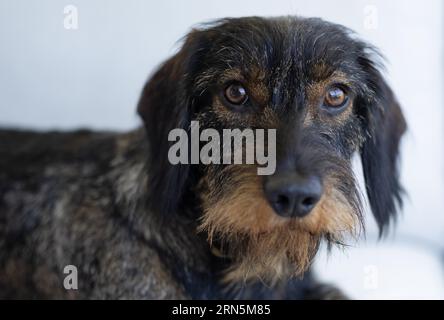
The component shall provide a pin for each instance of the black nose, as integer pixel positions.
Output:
(293, 195)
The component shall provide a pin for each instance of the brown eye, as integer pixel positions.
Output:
(335, 97)
(235, 93)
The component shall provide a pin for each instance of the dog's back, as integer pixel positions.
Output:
(59, 196)
(37, 171)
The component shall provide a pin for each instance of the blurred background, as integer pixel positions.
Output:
(72, 64)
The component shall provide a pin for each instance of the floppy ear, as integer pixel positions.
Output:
(165, 104)
(379, 153)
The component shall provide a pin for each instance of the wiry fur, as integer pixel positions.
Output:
(262, 244)
(138, 227)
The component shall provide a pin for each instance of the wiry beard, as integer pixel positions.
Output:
(263, 245)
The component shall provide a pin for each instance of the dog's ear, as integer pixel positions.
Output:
(165, 104)
(385, 125)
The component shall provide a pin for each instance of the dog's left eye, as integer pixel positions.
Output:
(236, 94)
(335, 97)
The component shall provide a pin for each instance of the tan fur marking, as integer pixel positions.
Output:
(263, 244)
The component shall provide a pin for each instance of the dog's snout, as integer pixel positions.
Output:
(293, 195)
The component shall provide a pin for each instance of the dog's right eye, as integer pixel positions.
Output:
(335, 98)
(236, 94)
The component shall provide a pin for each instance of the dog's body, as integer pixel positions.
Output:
(136, 226)
(78, 199)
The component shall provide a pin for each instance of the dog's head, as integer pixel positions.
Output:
(321, 89)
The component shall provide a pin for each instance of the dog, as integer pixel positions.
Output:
(137, 227)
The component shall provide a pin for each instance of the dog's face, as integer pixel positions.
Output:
(319, 88)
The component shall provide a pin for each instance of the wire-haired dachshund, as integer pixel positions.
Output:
(134, 225)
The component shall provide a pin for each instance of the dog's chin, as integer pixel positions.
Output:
(270, 256)
(264, 246)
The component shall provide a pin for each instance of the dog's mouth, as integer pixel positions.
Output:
(264, 245)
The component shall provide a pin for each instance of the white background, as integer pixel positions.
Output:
(51, 77)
